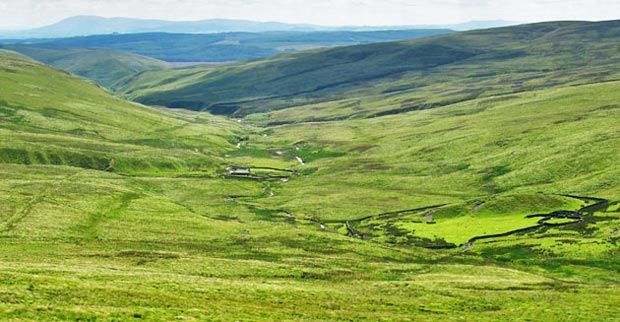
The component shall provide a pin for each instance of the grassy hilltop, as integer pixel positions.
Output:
(112, 210)
(106, 67)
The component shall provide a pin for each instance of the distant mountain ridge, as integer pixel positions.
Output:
(94, 25)
(473, 25)
(225, 47)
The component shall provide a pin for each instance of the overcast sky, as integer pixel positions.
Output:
(32, 13)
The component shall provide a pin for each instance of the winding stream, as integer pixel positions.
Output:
(573, 217)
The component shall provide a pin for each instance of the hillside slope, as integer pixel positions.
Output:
(106, 67)
(48, 116)
(226, 47)
(413, 74)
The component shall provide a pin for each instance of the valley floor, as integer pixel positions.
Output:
(82, 245)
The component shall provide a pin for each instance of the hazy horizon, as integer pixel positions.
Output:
(24, 14)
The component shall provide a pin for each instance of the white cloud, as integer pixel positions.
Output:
(30, 13)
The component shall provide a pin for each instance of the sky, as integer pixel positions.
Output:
(20, 14)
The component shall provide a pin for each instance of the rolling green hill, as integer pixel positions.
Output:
(104, 66)
(461, 195)
(48, 116)
(227, 47)
(411, 75)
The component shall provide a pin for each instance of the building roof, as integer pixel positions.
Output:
(240, 171)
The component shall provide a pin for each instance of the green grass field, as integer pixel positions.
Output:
(114, 211)
(87, 245)
(104, 66)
